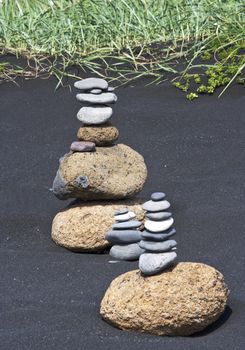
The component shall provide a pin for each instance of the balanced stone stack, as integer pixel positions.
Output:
(159, 247)
(95, 169)
(125, 236)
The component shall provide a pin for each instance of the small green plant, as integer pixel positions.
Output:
(191, 96)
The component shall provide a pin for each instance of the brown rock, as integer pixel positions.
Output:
(113, 172)
(180, 301)
(102, 135)
(83, 227)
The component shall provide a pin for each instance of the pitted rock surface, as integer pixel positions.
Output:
(101, 135)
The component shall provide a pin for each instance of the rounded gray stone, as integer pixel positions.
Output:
(151, 264)
(103, 98)
(156, 206)
(126, 252)
(94, 115)
(121, 211)
(158, 196)
(82, 146)
(158, 237)
(125, 217)
(91, 83)
(127, 225)
(96, 91)
(158, 247)
(158, 216)
(123, 236)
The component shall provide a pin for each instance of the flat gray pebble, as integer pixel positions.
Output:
(127, 225)
(156, 206)
(158, 216)
(121, 211)
(151, 264)
(158, 237)
(123, 236)
(126, 252)
(158, 247)
(96, 91)
(91, 83)
(103, 98)
(158, 196)
(82, 146)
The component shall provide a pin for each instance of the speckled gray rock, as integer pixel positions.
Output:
(126, 252)
(125, 217)
(123, 236)
(91, 83)
(158, 237)
(127, 225)
(60, 188)
(103, 98)
(158, 247)
(158, 196)
(158, 226)
(156, 206)
(82, 146)
(94, 115)
(158, 216)
(151, 264)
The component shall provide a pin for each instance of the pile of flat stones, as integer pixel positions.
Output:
(96, 130)
(125, 236)
(157, 243)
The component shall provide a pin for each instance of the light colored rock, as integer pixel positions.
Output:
(82, 146)
(101, 135)
(156, 206)
(91, 83)
(127, 225)
(96, 91)
(151, 263)
(182, 300)
(125, 217)
(158, 247)
(158, 216)
(158, 196)
(115, 172)
(158, 226)
(121, 212)
(94, 115)
(103, 98)
(83, 227)
(126, 252)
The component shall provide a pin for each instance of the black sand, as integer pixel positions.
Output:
(195, 152)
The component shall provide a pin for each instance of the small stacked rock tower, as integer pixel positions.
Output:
(125, 236)
(159, 251)
(95, 169)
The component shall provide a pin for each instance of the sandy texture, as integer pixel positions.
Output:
(83, 227)
(101, 135)
(109, 173)
(180, 301)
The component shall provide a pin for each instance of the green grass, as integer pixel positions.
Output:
(123, 39)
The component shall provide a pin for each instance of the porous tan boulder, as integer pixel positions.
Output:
(182, 300)
(115, 172)
(82, 227)
(101, 135)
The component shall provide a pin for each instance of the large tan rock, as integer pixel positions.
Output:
(101, 135)
(180, 301)
(115, 172)
(83, 227)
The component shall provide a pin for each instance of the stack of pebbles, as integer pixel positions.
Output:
(125, 236)
(96, 129)
(157, 239)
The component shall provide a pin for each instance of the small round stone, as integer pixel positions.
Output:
(158, 216)
(156, 206)
(127, 225)
(96, 91)
(158, 237)
(103, 98)
(91, 83)
(158, 247)
(125, 217)
(158, 196)
(94, 115)
(121, 211)
(152, 263)
(158, 226)
(102, 135)
(82, 146)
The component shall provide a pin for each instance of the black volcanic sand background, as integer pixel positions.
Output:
(194, 151)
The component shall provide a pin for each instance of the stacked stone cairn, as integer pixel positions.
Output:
(125, 234)
(95, 115)
(159, 247)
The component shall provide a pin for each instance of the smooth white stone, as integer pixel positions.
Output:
(125, 217)
(94, 115)
(105, 97)
(154, 206)
(158, 226)
(91, 83)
